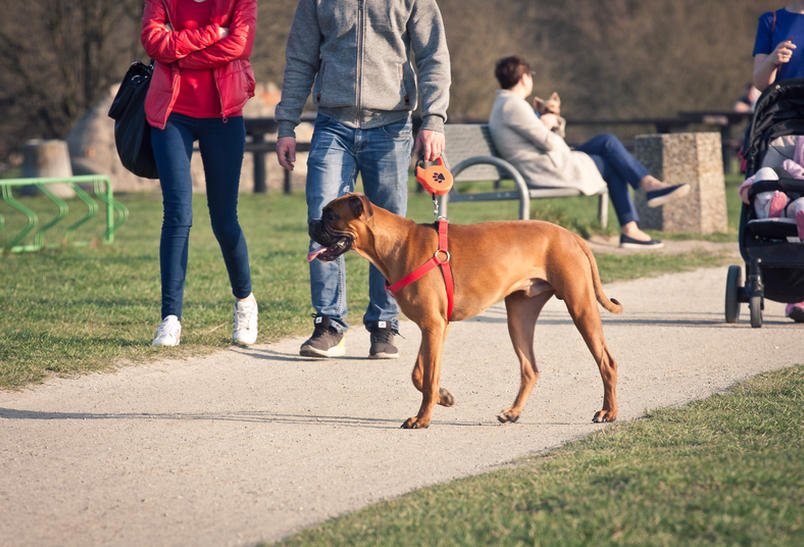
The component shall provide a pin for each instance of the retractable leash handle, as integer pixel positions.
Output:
(435, 178)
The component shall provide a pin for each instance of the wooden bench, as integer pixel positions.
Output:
(471, 156)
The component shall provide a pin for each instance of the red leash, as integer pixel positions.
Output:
(440, 258)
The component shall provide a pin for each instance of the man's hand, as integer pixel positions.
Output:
(429, 143)
(223, 32)
(783, 52)
(286, 152)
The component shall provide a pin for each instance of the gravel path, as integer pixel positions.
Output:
(249, 445)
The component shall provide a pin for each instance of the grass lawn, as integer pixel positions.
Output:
(69, 310)
(726, 470)
(723, 471)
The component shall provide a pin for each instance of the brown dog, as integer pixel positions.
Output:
(524, 262)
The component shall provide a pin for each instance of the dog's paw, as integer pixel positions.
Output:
(415, 423)
(507, 416)
(603, 416)
(445, 398)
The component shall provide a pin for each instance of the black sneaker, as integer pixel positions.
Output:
(627, 242)
(660, 197)
(382, 341)
(326, 341)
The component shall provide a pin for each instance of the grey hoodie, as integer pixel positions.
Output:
(359, 55)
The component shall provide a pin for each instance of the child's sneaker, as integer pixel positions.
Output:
(168, 333)
(778, 202)
(244, 322)
(795, 312)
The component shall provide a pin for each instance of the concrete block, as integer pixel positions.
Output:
(694, 158)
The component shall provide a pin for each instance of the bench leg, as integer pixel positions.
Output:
(603, 209)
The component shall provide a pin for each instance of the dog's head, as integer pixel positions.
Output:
(338, 227)
(552, 105)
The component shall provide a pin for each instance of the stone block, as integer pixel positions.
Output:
(47, 158)
(694, 158)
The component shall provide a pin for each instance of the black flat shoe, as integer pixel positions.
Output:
(797, 314)
(656, 198)
(631, 243)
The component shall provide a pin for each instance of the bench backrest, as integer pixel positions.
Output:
(466, 141)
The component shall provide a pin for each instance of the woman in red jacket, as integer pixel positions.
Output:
(202, 78)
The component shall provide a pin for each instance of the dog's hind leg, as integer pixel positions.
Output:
(426, 376)
(582, 306)
(523, 311)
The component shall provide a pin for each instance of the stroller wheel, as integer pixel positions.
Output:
(734, 280)
(755, 305)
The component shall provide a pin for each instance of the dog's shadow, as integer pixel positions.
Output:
(256, 416)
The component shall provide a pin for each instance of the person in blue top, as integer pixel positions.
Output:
(776, 58)
(778, 35)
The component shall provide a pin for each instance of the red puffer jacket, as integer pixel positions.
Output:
(199, 48)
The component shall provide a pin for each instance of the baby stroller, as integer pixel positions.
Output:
(770, 248)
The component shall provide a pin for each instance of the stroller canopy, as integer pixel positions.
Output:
(779, 111)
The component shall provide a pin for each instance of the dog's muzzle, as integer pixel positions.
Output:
(333, 244)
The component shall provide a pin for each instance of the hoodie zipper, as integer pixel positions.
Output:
(361, 31)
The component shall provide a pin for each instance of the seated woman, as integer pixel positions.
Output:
(525, 139)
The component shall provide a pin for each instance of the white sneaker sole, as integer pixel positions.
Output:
(384, 355)
(244, 341)
(641, 247)
(334, 351)
(165, 343)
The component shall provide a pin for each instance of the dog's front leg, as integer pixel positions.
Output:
(426, 376)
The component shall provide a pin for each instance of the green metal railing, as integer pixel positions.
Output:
(89, 189)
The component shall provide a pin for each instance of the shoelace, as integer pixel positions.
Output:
(165, 328)
(321, 330)
(242, 315)
(384, 335)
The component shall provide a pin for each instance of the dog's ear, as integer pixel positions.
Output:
(538, 104)
(360, 205)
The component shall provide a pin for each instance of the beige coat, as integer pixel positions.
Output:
(543, 158)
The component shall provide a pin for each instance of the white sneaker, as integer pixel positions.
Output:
(168, 333)
(244, 322)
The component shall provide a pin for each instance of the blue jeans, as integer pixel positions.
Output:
(221, 145)
(337, 154)
(619, 169)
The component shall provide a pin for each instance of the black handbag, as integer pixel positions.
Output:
(132, 134)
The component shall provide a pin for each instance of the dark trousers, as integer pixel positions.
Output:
(619, 169)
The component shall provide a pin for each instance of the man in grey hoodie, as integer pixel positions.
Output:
(358, 58)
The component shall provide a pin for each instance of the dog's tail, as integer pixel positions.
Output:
(610, 304)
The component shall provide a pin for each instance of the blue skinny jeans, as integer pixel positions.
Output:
(619, 169)
(221, 145)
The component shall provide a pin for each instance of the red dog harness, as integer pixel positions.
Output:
(441, 257)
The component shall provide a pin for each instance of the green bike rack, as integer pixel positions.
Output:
(115, 212)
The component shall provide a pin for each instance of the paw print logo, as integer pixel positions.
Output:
(438, 177)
